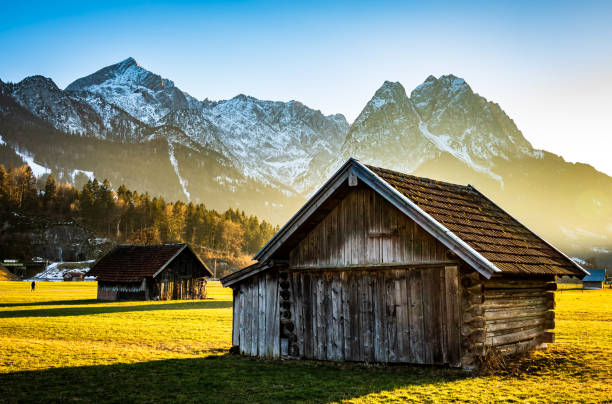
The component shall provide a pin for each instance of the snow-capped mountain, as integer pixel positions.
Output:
(84, 114)
(277, 142)
(132, 126)
(287, 138)
(146, 96)
(441, 116)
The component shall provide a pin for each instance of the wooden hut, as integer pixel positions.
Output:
(595, 280)
(150, 272)
(380, 266)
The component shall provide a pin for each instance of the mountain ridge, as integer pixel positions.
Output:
(270, 155)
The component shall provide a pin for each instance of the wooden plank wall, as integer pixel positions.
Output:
(181, 280)
(366, 229)
(385, 315)
(256, 319)
(517, 313)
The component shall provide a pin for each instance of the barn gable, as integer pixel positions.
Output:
(364, 229)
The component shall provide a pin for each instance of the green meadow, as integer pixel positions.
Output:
(59, 344)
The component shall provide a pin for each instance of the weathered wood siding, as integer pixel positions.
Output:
(256, 319)
(366, 229)
(367, 284)
(121, 291)
(181, 280)
(387, 315)
(517, 313)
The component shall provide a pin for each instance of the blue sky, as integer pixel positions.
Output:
(548, 65)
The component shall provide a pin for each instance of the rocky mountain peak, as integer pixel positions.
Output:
(39, 82)
(145, 95)
(127, 72)
(391, 90)
(442, 116)
(130, 61)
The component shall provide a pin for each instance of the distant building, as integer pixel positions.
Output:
(150, 272)
(73, 276)
(595, 280)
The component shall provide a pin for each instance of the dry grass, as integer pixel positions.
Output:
(59, 344)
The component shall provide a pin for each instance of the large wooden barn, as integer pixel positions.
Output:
(380, 266)
(150, 272)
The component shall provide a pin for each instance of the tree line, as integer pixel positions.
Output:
(128, 216)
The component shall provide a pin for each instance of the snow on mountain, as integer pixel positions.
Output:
(83, 114)
(449, 106)
(44, 99)
(146, 96)
(283, 144)
(441, 115)
(276, 142)
(37, 169)
(388, 126)
(136, 128)
(175, 166)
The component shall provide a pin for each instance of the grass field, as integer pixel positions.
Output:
(60, 344)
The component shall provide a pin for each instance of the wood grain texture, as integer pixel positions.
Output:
(383, 316)
(517, 312)
(364, 228)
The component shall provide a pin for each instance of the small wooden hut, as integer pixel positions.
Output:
(380, 266)
(595, 280)
(150, 272)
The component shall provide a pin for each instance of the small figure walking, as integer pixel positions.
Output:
(33, 286)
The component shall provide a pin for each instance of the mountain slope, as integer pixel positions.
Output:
(132, 126)
(441, 116)
(274, 143)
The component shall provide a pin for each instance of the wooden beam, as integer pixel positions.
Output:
(372, 267)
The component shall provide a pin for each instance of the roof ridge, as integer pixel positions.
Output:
(424, 179)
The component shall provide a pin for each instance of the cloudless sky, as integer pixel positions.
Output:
(548, 64)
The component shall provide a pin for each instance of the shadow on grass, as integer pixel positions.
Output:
(96, 307)
(217, 379)
(52, 303)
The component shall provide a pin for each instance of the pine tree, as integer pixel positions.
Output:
(49, 198)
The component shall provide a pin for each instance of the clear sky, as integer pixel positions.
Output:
(548, 64)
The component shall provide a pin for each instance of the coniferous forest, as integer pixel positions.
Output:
(126, 216)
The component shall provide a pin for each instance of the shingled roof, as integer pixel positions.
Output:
(133, 263)
(483, 225)
(469, 224)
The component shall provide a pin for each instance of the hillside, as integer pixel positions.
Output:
(58, 222)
